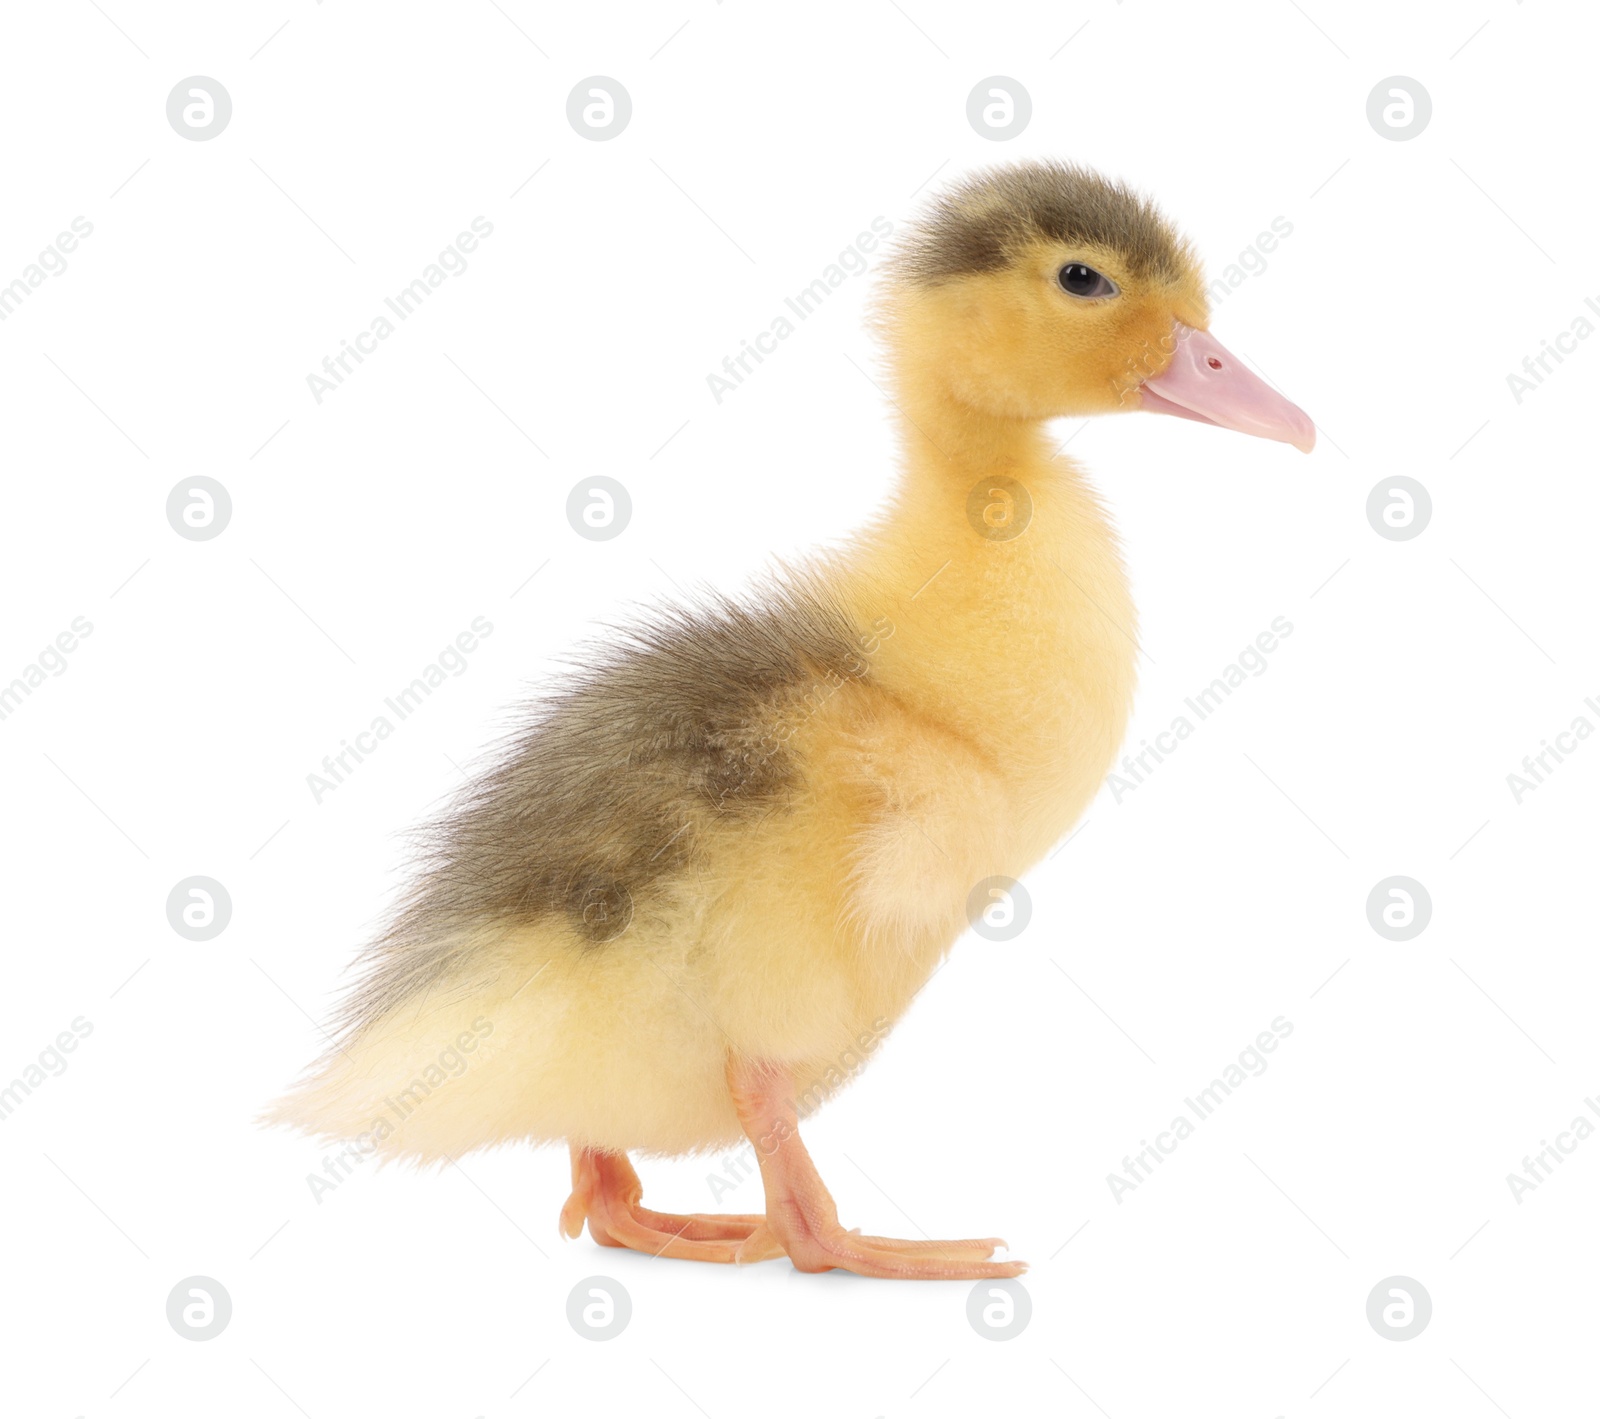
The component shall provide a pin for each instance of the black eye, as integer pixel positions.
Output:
(1084, 281)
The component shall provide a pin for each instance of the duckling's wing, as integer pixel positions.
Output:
(600, 798)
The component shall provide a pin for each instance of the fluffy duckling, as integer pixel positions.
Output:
(714, 868)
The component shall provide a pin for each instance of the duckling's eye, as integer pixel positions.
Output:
(1084, 281)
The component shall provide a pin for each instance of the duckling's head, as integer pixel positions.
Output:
(1041, 290)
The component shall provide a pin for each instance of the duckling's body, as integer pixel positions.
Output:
(826, 862)
(714, 871)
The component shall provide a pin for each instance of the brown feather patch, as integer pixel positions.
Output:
(982, 223)
(597, 801)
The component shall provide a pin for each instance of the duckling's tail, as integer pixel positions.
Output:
(537, 1040)
(432, 1073)
(403, 1088)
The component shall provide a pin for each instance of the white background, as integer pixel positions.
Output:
(369, 530)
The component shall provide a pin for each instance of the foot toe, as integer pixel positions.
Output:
(892, 1258)
(964, 1249)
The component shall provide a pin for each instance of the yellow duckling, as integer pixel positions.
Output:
(714, 868)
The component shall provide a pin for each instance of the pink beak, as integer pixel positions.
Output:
(1206, 383)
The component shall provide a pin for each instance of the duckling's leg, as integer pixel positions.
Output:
(801, 1214)
(606, 1193)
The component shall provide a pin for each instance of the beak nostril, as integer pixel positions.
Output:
(1214, 362)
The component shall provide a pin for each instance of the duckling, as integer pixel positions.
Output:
(714, 867)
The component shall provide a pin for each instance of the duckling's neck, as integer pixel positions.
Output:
(999, 573)
(944, 437)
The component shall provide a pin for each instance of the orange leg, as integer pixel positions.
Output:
(801, 1214)
(606, 1193)
(801, 1219)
